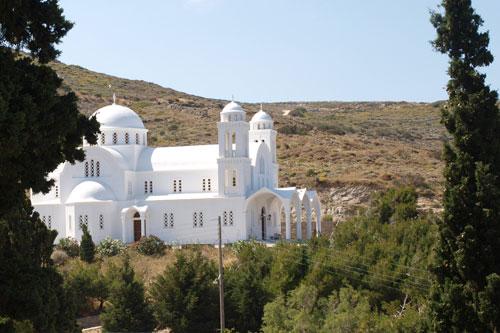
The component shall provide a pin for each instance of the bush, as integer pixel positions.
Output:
(294, 129)
(150, 245)
(110, 247)
(69, 245)
(59, 257)
(298, 112)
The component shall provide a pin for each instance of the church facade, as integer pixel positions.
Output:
(125, 189)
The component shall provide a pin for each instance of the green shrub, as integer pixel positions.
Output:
(110, 247)
(69, 245)
(150, 245)
(294, 129)
(311, 173)
(59, 257)
(298, 112)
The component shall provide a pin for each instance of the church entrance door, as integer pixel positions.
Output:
(263, 222)
(137, 227)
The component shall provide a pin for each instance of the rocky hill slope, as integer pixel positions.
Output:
(345, 150)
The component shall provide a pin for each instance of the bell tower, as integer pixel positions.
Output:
(233, 162)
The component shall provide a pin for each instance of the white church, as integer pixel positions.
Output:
(125, 189)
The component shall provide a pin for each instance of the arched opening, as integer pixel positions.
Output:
(263, 222)
(226, 142)
(137, 227)
(233, 145)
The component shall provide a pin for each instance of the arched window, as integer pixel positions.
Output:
(144, 139)
(91, 168)
(226, 178)
(235, 175)
(115, 138)
(126, 138)
(86, 169)
(103, 138)
(98, 169)
(227, 143)
(136, 138)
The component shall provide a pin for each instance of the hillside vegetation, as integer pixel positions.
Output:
(345, 150)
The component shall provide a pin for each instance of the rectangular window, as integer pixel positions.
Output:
(145, 187)
(175, 185)
(195, 219)
(150, 186)
(101, 222)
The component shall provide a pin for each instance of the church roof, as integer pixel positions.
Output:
(179, 158)
(90, 191)
(232, 107)
(120, 116)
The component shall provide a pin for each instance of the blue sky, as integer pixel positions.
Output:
(271, 50)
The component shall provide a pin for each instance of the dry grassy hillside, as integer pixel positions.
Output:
(344, 150)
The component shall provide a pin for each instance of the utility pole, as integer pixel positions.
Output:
(221, 282)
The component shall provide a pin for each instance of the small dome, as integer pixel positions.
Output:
(261, 116)
(90, 191)
(232, 107)
(115, 115)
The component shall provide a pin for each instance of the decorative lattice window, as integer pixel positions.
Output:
(171, 220)
(209, 185)
(136, 138)
(49, 222)
(224, 220)
(91, 168)
(86, 221)
(101, 222)
(150, 186)
(86, 169)
(115, 138)
(234, 177)
(80, 222)
(146, 187)
(195, 219)
(98, 169)
(230, 217)
(180, 185)
(203, 185)
(57, 191)
(44, 220)
(126, 138)
(200, 219)
(175, 185)
(165, 220)
(103, 138)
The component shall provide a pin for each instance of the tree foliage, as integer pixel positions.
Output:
(128, 310)
(185, 298)
(467, 262)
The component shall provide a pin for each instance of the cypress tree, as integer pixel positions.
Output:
(465, 295)
(87, 246)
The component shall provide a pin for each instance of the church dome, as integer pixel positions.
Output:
(261, 116)
(115, 115)
(90, 191)
(232, 107)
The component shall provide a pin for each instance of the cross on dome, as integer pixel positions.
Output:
(114, 98)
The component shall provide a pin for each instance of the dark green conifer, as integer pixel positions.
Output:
(467, 262)
(87, 246)
(127, 310)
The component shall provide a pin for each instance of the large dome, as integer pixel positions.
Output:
(115, 115)
(232, 107)
(90, 191)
